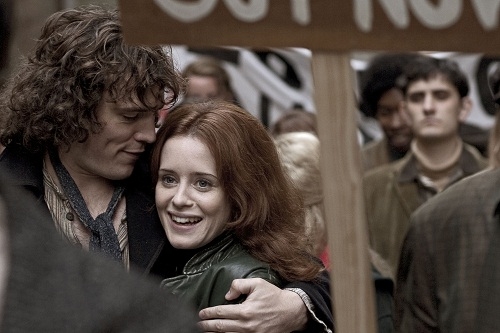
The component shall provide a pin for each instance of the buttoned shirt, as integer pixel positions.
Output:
(70, 226)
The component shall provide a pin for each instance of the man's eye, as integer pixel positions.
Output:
(441, 95)
(416, 98)
(131, 116)
(384, 112)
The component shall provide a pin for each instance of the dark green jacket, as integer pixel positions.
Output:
(207, 276)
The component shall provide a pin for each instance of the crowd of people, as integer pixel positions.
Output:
(135, 197)
(432, 213)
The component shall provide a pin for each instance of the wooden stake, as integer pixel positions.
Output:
(352, 285)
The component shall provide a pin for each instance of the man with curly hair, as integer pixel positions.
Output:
(381, 99)
(79, 119)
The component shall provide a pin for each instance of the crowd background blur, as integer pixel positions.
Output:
(267, 82)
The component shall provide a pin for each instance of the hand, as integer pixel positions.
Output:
(267, 309)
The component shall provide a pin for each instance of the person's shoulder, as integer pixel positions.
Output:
(479, 185)
(15, 157)
(473, 156)
(375, 154)
(241, 264)
(23, 168)
(386, 171)
(478, 192)
(374, 145)
(236, 263)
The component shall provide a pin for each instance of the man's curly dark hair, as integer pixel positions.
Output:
(80, 56)
(381, 76)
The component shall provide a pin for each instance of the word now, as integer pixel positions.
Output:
(433, 16)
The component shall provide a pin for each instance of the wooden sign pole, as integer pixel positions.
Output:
(352, 286)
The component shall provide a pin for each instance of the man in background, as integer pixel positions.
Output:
(205, 79)
(436, 101)
(381, 98)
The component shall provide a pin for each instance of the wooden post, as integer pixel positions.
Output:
(352, 286)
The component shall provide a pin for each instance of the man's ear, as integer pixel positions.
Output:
(466, 108)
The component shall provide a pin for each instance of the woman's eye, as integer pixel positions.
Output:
(202, 183)
(168, 180)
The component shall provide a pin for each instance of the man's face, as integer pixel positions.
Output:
(393, 120)
(112, 153)
(435, 108)
(201, 88)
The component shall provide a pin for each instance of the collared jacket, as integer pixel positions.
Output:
(375, 154)
(207, 276)
(391, 196)
(447, 278)
(147, 240)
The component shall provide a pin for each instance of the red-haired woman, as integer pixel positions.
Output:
(226, 204)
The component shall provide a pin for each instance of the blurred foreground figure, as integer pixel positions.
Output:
(6, 11)
(47, 285)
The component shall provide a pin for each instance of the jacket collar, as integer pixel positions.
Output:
(467, 162)
(218, 250)
(145, 233)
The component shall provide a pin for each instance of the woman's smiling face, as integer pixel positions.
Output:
(192, 205)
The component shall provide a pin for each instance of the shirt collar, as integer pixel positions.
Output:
(467, 163)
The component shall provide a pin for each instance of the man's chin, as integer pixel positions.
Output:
(400, 145)
(121, 174)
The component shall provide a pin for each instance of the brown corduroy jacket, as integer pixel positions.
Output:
(391, 197)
